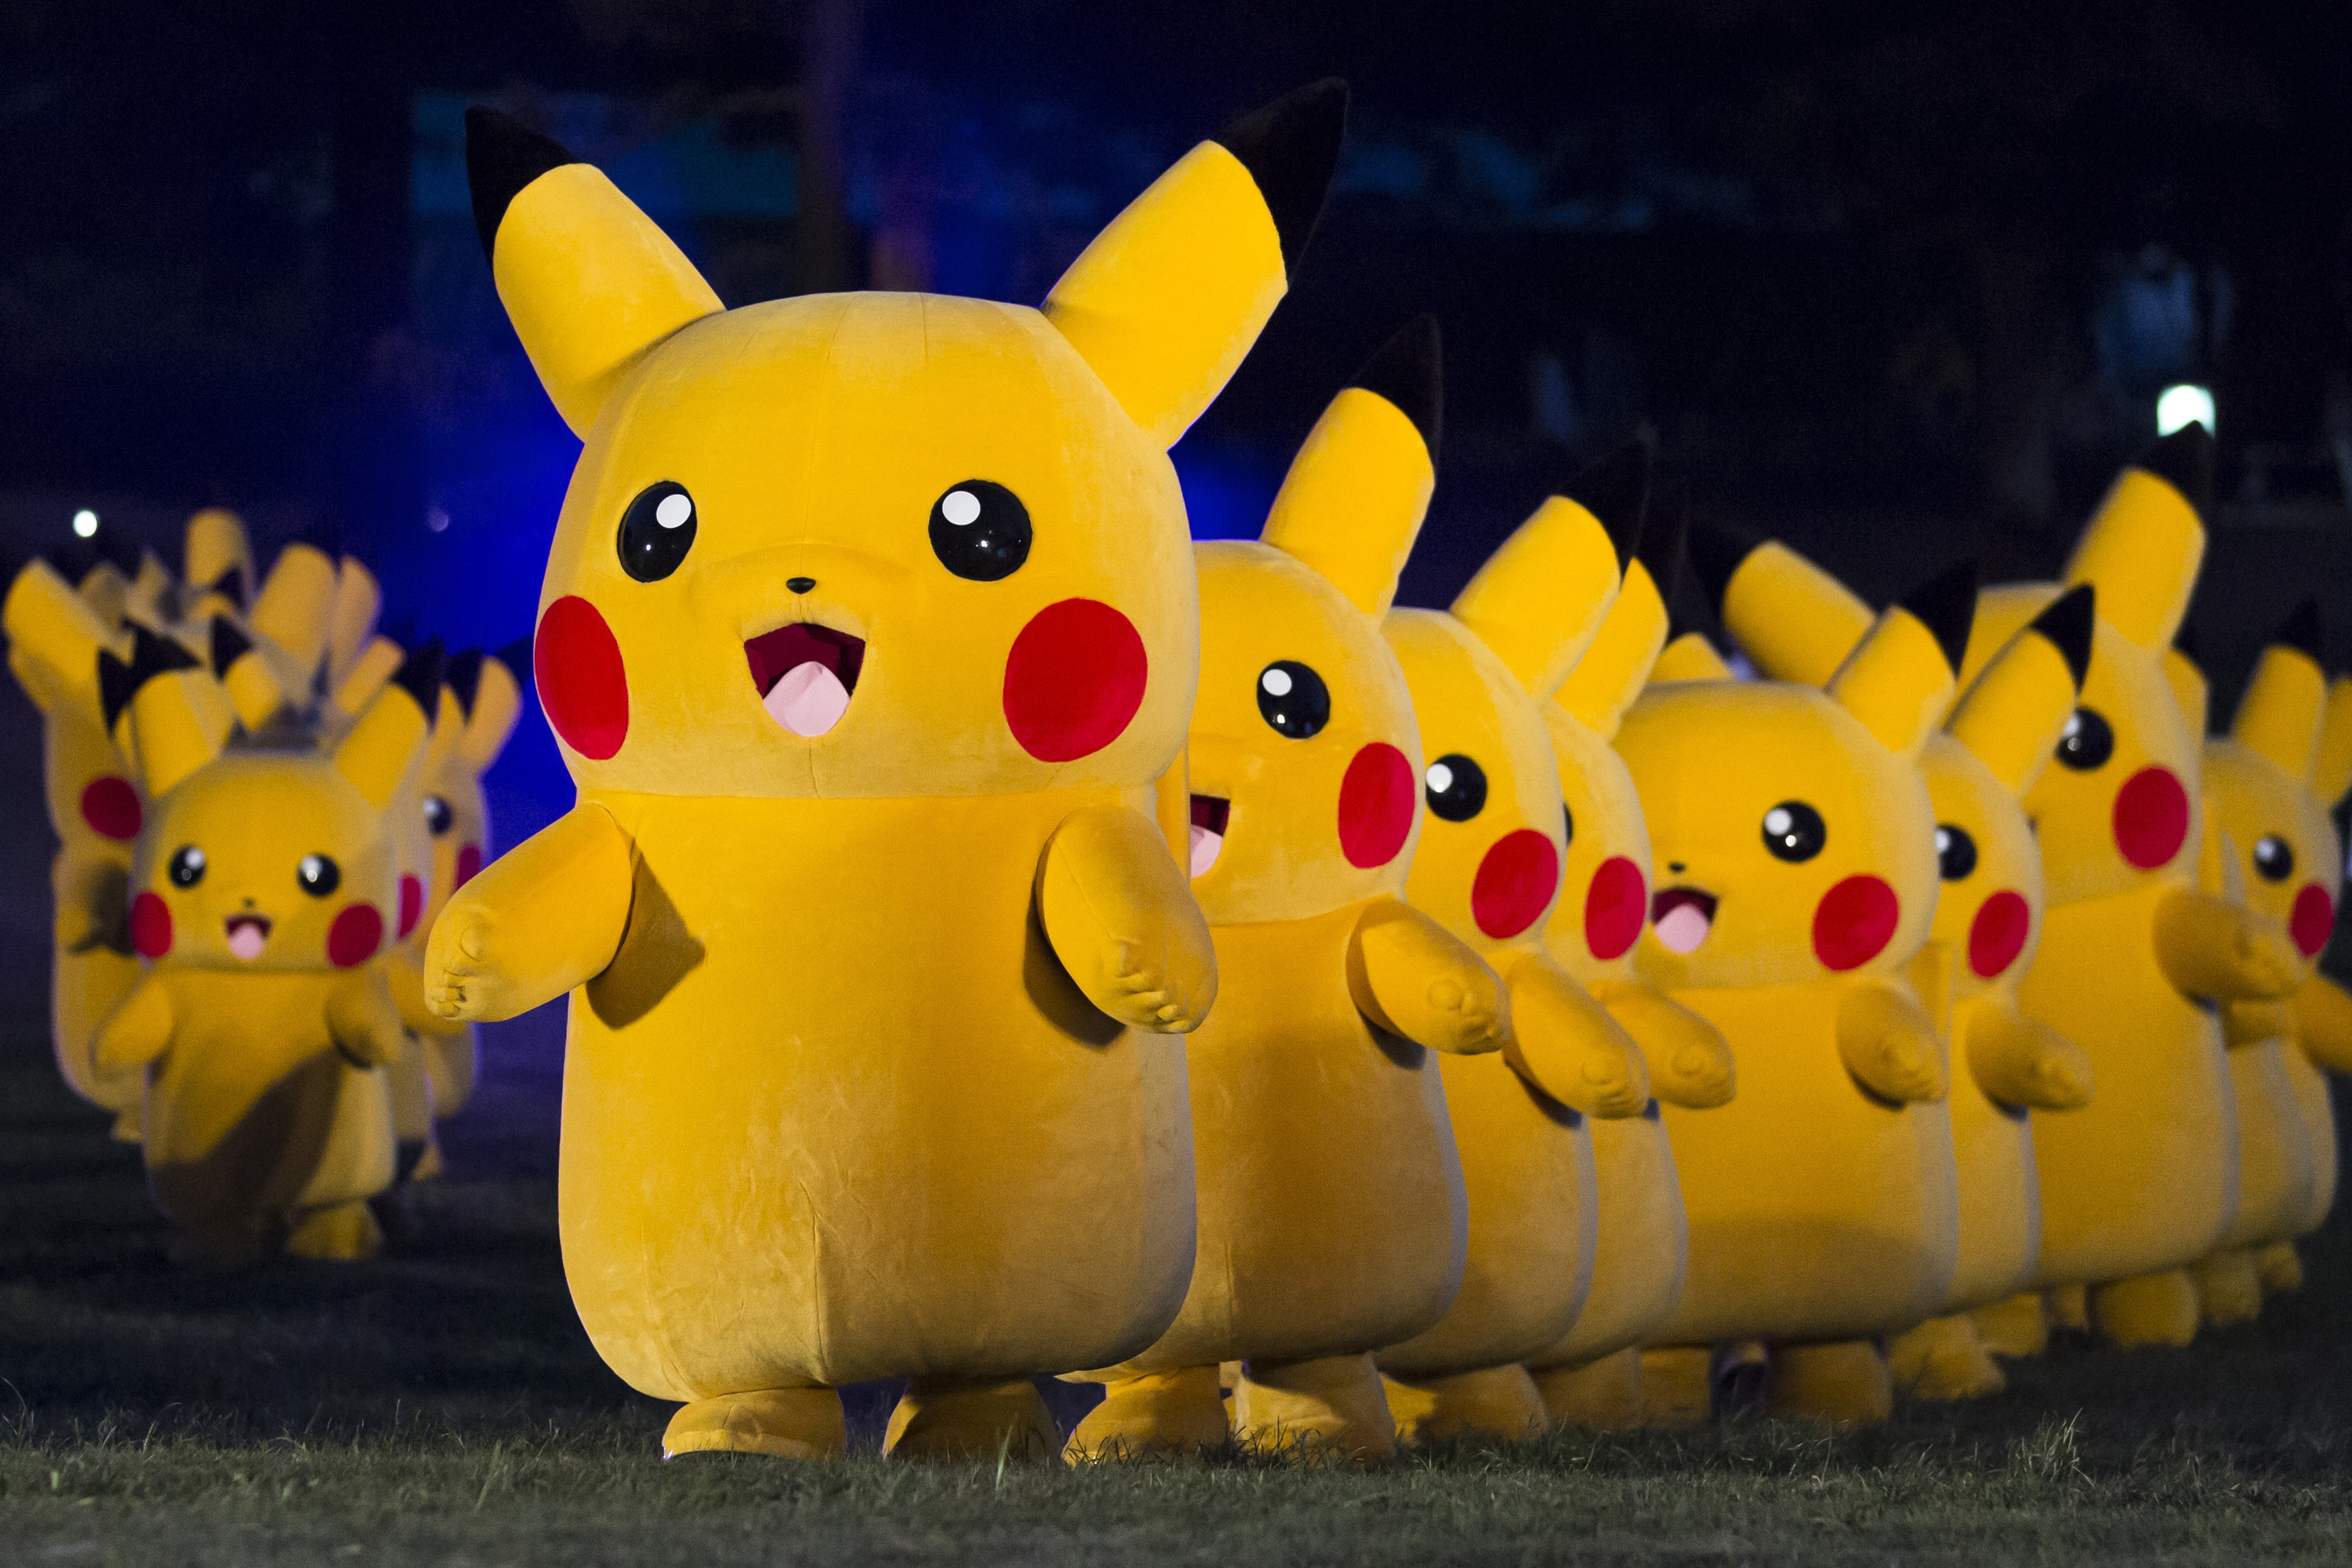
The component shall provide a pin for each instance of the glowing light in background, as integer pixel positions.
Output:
(86, 523)
(2183, 405)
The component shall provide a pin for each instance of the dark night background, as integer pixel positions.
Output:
(1895, 284)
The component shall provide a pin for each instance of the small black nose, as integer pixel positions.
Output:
(248, 903)
(1676, 867)
(800, 585)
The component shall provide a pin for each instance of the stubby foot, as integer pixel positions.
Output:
(2150, 1309)
(2281, 1267)
(2017, 1327)
(1943, 1359)
(1677, 1387)
(1604, 1395)
(1159, 1416)
(1330, 1408)
(940, 1418)
(1495, 1402)
(126, 1127)
(1844, 1383)
(2229, 1287)
(340, 1232)
(787, 1423)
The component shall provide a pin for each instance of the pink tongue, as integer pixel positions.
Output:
(808, 701)
(1682, 929)
(1205, 845)
(246, 941)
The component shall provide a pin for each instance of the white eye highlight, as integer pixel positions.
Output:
(1777, 822)
(960, 507)
(1278, 682)
(675, 511)
(1439, 778)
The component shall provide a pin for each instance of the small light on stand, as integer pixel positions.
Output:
(2183, 405)
(86, 523)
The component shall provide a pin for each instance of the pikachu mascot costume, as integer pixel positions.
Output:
(1793, 851)
(1797, 623)
(2143, 1181)
(1330, 1201)
(263, 875)
(870, 633)
(2269, 785)
(1488, 868)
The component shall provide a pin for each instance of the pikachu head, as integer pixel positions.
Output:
(54, 640)
(2118, 810)
(2272, 781)
(1792, 837)
(880, 544)
(1496, 830)
(1303, 758)
(270, 855)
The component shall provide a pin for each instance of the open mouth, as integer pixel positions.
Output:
(804, 675)
(1210, 814)
(247, 934)
(1682, 918)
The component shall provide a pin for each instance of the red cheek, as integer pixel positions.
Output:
(1514, 884)
(111, 806)
(1377, 801)
(1854, 921)
(357, 933)
(150, 926)
(1074, 679)
(470, 861)
(2151, 817)
(1615, 905)
(2312, 919)
(1998, 933)
(581, 683)
(412, 903)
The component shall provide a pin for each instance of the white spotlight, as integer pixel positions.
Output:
(2183, 405)
(86, 523)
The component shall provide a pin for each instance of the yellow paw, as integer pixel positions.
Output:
(1163, 987)
(785, 1423)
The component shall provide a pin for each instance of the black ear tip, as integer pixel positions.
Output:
(1947, 603)
(2069, 621)
(1291, 147)
(152, 655)
(2184, 459)
(1715, 551)
(502, 157)
(462, 677)
(229, 645)
(116, 685)
(1409, 370)
(2300, 631)
(419, 675)
(1616, 490)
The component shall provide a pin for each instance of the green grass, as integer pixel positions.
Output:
(442, 1405)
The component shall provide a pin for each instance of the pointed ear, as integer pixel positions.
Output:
(1614, 669)
(165, 711)
(1899, 681)
(294, 604)
(2010, 717)
(1354, 499)
(586, 279)
(492, 697)
(1541, 599)
(374, 667)
(1689, 657)
(1793, 620)
(2331, 764)
(244, 673)
(390, 737)
(217, 547)
(2145, 545)
(350, 618)
(1167, 300)
(2287, 699)
(53, 627)
(2190, 692)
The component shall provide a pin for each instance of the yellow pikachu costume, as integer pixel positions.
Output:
(2143, 1181)
(1331, 1210)
(2269, 787)
(1790, 618)
(96, 809)
(1488, 869)
(870, 633)
(263, 876)
(1794, 860)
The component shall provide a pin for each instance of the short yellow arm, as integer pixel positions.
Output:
(140, 1031)
(2208, 946)
(1123, 923)
(1888, 1042)
(2323, 1023)
(541, 919)
(2257, 1022)
(2019, 1061)
(1415, 978)
(1566, 1044)
(1690, 1063)
(361, 1017)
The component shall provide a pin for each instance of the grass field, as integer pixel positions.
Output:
(443, 1406)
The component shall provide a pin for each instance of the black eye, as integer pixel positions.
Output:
(1794, 831)
(1455, 787)
(1293, 698)
(1955, 852)
(2087, 740)
(980, 529)
(319, 876)
(187, 867)
(2274, 858)
(1566, 823)
(656, 532)
(437, 815)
